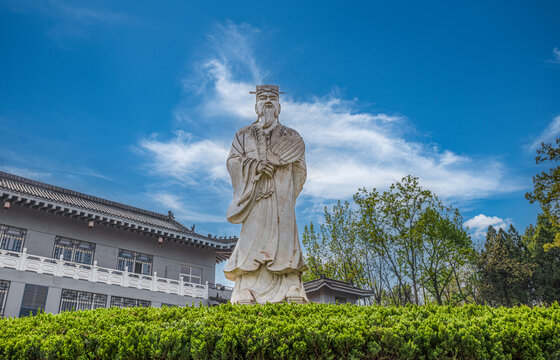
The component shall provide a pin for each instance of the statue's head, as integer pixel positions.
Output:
(267, 106)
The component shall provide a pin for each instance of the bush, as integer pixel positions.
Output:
(314, 331)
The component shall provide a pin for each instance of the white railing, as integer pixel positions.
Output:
(59, 267)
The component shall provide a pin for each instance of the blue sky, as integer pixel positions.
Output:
(138, 101)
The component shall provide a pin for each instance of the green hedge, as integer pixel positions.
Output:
(313, 331)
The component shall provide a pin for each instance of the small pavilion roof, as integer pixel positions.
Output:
(336, 285)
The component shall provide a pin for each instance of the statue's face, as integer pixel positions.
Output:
(267, 106)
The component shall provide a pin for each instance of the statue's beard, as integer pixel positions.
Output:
(267, 116)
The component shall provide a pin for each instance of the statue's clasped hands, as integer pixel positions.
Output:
(265, 167)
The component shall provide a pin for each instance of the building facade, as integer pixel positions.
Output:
(63, 250)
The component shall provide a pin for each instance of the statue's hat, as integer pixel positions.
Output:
(267, 88)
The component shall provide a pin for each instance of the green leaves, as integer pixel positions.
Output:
(504, 268)
(402, 243)
(287, 331)
(545, 281)
(546, 188)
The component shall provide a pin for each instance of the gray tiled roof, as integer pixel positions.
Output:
(337, 285)
(106, 208)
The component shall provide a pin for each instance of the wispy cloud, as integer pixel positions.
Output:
(555, 56)
(43, 168)
(28, 173)
(89, 172)
(65, 10)
(182, 211)
(479, 224)
(188, 160)
(549, 134)
(233, 46)
(346, 148)
(69, 19)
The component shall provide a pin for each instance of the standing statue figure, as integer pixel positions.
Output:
(267, 168)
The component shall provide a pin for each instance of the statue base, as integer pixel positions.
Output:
(264, 286)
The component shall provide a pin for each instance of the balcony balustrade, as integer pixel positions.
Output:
(59, 267)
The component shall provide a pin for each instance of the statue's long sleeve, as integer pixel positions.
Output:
(300, 175)
(243, 172)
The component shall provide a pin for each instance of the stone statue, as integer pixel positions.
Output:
(267, 168)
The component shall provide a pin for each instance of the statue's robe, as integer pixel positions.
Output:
(267, 261)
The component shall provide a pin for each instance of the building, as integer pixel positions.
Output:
(329, 291)
(63, 250)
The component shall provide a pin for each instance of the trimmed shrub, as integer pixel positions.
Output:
(314, 331)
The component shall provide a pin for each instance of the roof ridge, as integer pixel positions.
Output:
(334, 284)
(172, 220)
(82, 195)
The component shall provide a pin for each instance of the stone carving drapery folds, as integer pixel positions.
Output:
(267, 261)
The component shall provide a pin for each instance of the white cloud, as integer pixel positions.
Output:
(182, 211)
(28, 173)
(549, 134)
(188, 160)
(69, 11)
(346, 148)
(231, 97)
(69, 21)
(35, 168)
(479, 224)
(89, 172)
(555, 56)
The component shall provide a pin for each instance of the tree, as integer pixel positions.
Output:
(547, 188)
(545, 282)
(391, 222)
(447, 249)
(401, 243)
(504, 269)
(331, 253)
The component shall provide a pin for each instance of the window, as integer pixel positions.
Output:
(74, 250)
(135, 262)
(128, 302)
(4, 287)
(73, 300)
(34, 298)
(191, 274)
(11, 238)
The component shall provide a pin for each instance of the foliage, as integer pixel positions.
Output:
(402, 243)
(332, 251)
(314, 331)
(447, 251)
(545, 282)
(504, 268)
(546, 189)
